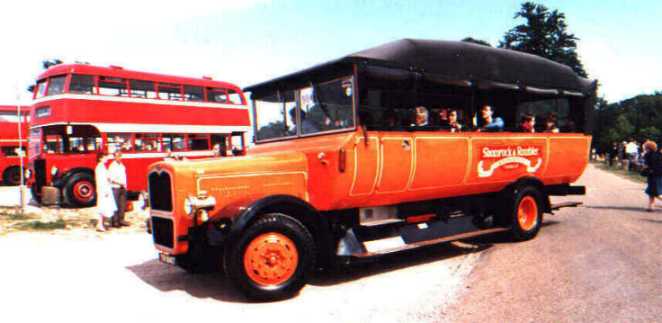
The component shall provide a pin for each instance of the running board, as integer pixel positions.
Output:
(565, 204)
(415, 245)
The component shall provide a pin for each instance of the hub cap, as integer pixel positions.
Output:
(83, 191)
(527, 213)
(271, 259)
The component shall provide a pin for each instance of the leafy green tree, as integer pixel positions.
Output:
(476, 41)
(545, 34)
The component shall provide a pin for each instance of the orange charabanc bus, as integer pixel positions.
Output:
(411, 143)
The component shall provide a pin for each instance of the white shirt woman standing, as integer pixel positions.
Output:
(105, 201)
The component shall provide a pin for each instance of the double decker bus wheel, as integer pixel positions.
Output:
(79, 190)
(12, 176)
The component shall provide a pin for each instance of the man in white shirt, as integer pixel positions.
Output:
(117, 174)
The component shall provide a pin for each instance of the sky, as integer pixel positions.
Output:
(250, 41)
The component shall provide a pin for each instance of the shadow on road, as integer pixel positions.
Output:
(652, 221)
(618, 208)
(167, 278)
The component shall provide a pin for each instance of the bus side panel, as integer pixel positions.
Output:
(568, 157)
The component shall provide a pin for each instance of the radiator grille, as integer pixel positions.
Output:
(160, 191)
(162, 231)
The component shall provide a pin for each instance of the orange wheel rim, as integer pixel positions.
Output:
(271, 259)
(527, 213)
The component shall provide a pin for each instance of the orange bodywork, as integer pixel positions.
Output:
(356, 169)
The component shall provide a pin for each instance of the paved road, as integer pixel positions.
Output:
(600, 263)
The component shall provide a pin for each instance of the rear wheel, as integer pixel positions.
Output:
(79, 190)
(526, 213)
(273, 258)
(12, 176)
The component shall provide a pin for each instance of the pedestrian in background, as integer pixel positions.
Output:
(105, 202)
(653, 172)
(118, 181)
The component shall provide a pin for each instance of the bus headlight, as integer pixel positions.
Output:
(28, 173)
(199, 204)
(54, 171)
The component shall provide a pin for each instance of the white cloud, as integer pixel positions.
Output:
(622, 71)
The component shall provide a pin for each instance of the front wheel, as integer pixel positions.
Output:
(526, 213)
(12, 176)
(273, 258)
(79, 190)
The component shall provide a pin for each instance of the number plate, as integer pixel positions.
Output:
(170, 260)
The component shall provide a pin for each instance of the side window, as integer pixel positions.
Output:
(550, 115)
(217, 95)
(56, 85)
(10, 151)
(119, 142)
(198, 142)
(234, 97)
(326, 106)
(193, 93)
(142, 89)
(113, 86)
(147, 142)
(169, 91)
(173, 142)
(81, 84)
(41, 89)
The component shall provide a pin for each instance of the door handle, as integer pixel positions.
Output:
(406, 145)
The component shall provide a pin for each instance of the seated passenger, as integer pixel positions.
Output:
(490, 123)
(307, 126)
(550, 124)
(443, 120)
(420, 117)
(455, 125)
(390, 119)
(528, 123)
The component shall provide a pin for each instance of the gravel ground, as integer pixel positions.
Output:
(599, 263)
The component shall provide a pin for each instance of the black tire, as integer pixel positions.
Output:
(525, 199)
(268, 224)
(12, 176)
(73, 192)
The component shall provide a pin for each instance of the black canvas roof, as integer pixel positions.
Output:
(454, 61)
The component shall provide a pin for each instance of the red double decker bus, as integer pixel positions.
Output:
(11, 145)
(79, 110)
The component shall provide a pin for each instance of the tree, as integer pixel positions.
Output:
(544, 33)
(45, 64)
(476, 41)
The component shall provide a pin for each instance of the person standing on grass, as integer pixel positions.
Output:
(653, 172)
(118, 181)
(105, 202)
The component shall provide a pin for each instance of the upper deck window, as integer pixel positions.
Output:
(41, 89)
(114, 86)
(193, 93)
(234, 97)
(217, 95)
(56, 85)
(82, 84)
(169, 91)
(142, 89)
